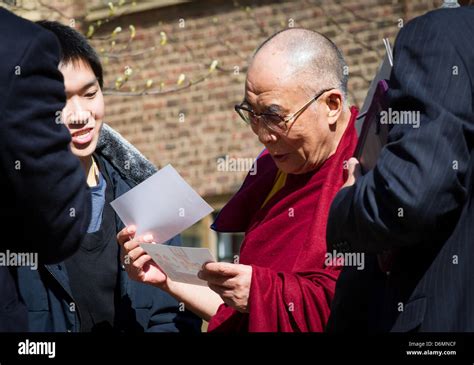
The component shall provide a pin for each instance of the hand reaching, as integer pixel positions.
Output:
(138, 264)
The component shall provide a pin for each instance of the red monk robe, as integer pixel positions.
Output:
(285, 242)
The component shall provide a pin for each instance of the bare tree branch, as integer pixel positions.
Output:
(56, 10)
(145, 92)
(128, 54)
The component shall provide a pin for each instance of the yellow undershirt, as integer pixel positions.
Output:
(93, 175)
(280, 181)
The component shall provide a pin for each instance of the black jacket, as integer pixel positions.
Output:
(141, 307)
(42, 186)
(417, 203)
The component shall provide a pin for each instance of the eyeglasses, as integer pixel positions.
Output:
(272, 121)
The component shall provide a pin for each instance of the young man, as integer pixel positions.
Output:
(90, 291)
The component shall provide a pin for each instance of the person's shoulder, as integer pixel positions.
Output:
(24, 41)
(26, 49)
(440, 19)
(8, 19)
(449, 17)
(18, 29)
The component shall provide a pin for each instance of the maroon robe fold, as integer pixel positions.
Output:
(285, 242)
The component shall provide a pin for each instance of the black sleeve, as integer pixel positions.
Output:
(44, 181)
(419, 183)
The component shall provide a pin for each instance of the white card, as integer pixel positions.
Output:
(163, 205)
(181, 264)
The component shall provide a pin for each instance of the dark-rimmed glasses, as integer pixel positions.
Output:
(272, 121)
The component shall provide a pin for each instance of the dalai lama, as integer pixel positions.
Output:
(295, 103)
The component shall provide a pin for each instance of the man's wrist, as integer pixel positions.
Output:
(167, 285)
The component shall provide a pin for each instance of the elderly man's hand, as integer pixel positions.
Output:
(353, 172)
(230, 281)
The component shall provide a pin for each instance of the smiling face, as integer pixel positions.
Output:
(310, 139)
(84, 110)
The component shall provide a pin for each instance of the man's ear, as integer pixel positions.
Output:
(334, 102)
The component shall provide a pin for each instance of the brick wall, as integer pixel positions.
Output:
(195, 126)
(229, 33)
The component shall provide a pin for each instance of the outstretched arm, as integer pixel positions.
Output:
(140, 267)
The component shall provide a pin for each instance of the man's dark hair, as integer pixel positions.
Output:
(75, 47)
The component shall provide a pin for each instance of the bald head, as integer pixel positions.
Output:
(304, 56)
